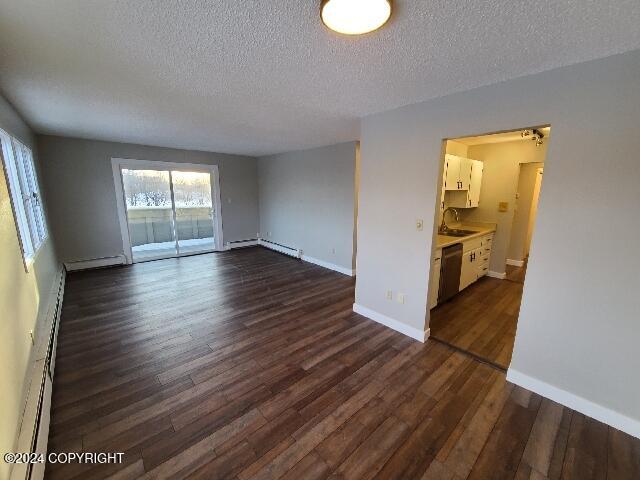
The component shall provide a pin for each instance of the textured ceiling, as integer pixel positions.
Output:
(264, 76)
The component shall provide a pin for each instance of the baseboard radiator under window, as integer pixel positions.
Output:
(34, 427)
(294, 252)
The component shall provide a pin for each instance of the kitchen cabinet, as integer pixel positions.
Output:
(475, 259)
(434, 282)
(457, 172)
(469, 197)
(475, 183)
(469, 272)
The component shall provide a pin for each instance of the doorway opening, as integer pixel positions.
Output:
(489, 193)
(167, 209)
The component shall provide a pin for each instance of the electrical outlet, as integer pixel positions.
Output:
(333, 250)
(401, 298)
(389, 294)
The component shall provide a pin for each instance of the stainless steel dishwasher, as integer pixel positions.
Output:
(450, 267)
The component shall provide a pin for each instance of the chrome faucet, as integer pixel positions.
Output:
(443, 225)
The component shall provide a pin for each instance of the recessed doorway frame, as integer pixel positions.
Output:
(432, 261)
(117, 164)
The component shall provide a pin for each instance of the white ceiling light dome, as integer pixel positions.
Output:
(355, 17)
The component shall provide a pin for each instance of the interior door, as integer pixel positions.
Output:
(194, 211)
(150, 214)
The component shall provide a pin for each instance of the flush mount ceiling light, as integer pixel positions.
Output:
(355, 17)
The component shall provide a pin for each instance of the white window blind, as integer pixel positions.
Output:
(25, 195)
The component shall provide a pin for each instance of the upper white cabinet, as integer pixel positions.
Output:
(457, 174)
(475, 183)
(463, 181)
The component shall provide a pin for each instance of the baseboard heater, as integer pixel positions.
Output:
(293, 252)
(252, 242)
(95, 263)
(34, 425)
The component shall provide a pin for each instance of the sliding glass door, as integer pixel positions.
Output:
(193, 211)
(168, 212)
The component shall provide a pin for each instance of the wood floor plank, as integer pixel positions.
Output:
(252, 365)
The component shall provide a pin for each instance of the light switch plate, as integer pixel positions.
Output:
(419, 224)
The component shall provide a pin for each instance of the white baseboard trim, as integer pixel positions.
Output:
(403, 328)
(95, 263)
(241, 244)
(515, 263)
(297, 253)
(292, 252)
(499, 275)
(330, 266)
(575, 402)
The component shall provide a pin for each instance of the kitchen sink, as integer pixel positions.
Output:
(456, 232)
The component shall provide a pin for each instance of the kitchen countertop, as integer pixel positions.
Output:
(479, 230)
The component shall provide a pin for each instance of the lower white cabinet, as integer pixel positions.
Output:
(469, 271)
(475, 259)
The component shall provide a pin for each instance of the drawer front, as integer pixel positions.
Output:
(472, 244)
(487, 240)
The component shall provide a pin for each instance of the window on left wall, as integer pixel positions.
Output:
(21, 178)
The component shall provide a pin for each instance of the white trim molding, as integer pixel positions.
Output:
(95, 263)
(515, 263)
(396, 325)
(575, 402)
(499, 275)
(330, 266)
(241, 244)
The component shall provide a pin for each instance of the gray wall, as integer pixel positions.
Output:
(78, 183)
(307, 201)
(578, 329)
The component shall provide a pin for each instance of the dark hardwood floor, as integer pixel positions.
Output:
(251, 365)
(516, 274)
(481, 320)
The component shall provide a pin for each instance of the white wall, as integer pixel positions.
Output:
(501, 169)
(578, 329)
(78, 183)
(22, 302)
(307, 201)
